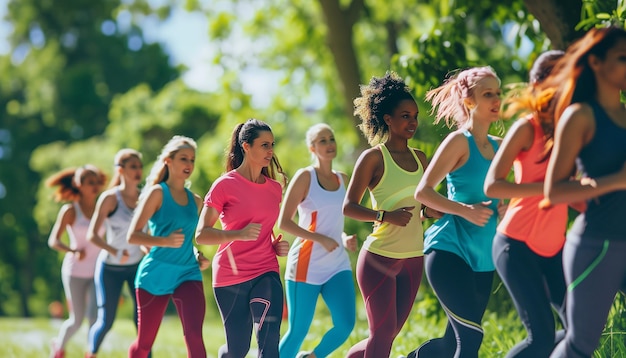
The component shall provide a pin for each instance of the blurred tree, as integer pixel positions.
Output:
(80, 68)
(68, 59)
(336, 44)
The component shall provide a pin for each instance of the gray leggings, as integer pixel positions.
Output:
(595, 270)
(81, 299)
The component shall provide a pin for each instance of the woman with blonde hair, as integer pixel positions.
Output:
(318, 263)
(170, 269)
(118, 260)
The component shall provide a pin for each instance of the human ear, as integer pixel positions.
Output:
(387, 119)
(593, 61)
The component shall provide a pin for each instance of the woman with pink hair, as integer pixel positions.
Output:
(457, 247)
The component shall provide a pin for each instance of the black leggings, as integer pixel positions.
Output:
(258, 303)
(595, 271)
(536, 285)
(463, 294)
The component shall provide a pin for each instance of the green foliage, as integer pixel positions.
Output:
(602, 13)
(457, 37)
(60, 77)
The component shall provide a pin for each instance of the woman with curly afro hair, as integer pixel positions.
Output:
(390, 263)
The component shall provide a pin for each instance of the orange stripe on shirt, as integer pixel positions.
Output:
(304, 256)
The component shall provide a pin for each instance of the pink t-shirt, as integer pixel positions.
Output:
(240, 202)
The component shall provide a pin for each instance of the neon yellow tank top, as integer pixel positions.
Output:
(395, 190)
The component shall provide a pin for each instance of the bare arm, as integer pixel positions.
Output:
(296, 192)
(146, 208)
(575, 130)
(519, 138)
(206, 234)
(367, 173)
(107, 202)
(65, 217)
(451, 154)
(426, 212)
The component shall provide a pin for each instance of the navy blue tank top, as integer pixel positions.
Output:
(604, 155)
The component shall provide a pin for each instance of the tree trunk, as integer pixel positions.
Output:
(340, 22)
(558, 20)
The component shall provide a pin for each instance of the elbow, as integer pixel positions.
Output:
(346, 209)
(281, 223)
(198, 238)
(419, 193)
(551, 195)
(488, 188)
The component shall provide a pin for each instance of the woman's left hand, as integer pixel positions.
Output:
(349, 242)
(203, 261)
(502, 206)
(281, 247)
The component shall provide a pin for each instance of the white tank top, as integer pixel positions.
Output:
(116, 229)
(321, 212)
(77, 233)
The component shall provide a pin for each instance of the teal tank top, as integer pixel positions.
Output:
(454, 234)
(163, 269)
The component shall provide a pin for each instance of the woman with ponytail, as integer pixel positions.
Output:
(118, 260)
(246, 282)
(590, 137)
(80, 187)
(527, 249)
(170, 269)
(457, 247)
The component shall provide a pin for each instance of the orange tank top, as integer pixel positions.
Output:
(542, 230)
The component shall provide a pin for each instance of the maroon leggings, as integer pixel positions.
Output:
(191, 306)
(389, 287)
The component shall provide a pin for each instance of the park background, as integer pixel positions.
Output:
(80, 79)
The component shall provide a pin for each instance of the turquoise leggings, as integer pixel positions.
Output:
(338, 294)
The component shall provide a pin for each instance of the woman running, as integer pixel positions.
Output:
(246, 281)
(390, 264)
(170, 270)
(458, 260)
(317, 263)
(591, 134)
(527, 250)
(81, 188)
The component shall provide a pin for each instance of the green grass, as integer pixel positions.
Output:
(26, 338)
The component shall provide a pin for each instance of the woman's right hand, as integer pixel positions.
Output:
(80, 254)
(326, 242)
(250, 233)
(175, 239)
(122, 256)
(478, 214)
(399, 217)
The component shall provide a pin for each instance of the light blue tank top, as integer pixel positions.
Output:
(163, 269)
(453, 233)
